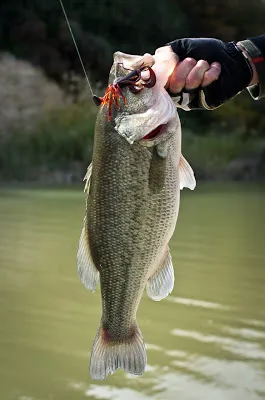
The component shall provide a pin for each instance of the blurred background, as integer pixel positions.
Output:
(47, 117)
(207, 340)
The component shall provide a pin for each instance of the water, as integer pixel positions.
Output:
(205, 342)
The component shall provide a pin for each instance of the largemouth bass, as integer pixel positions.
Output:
(132, 202)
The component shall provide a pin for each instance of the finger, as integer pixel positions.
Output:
(196, 75)
(179, 75)
(212, 74)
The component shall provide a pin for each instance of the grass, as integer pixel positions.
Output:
(62, 138)
(214, 151)
(63, 141)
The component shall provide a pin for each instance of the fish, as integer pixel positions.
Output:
(132, 201)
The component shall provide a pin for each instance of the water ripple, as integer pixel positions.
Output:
(197, 303)
(251, 334)
(243, 348)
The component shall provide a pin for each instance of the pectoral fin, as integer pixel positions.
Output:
(87, 271)
(186, 174)
(87, 178)
(161, 284)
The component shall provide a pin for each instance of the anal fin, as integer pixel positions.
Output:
(87, 271)
(161, 284)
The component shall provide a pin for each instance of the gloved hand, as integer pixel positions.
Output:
(236, 72)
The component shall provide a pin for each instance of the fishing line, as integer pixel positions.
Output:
(95, 98)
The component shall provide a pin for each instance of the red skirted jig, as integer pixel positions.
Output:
(112, 97)
(133, 80)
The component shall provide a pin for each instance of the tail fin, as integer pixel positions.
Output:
(107, 356)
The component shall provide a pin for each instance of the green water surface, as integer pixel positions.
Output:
(206, 341)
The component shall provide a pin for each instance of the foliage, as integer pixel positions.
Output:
(62, 140)
(36, 31)
(214, 151)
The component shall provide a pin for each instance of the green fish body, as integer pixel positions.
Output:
(132, 203)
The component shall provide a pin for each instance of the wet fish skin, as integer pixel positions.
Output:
(131, 211)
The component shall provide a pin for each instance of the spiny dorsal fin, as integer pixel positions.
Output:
(186, 174)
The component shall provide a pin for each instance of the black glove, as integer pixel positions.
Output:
(236, 71)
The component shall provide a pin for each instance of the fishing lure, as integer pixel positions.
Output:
(133, 80)
(113, 93)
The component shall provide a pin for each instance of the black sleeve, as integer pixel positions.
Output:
(255, 47)
(259, 41)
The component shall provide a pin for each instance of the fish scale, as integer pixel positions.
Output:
(131, 211)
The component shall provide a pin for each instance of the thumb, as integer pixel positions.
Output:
(165, 63)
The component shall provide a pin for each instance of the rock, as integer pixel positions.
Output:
(25, 94)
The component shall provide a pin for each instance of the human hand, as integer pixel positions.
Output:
(191, 74)
(188, 74)
(211, 71)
